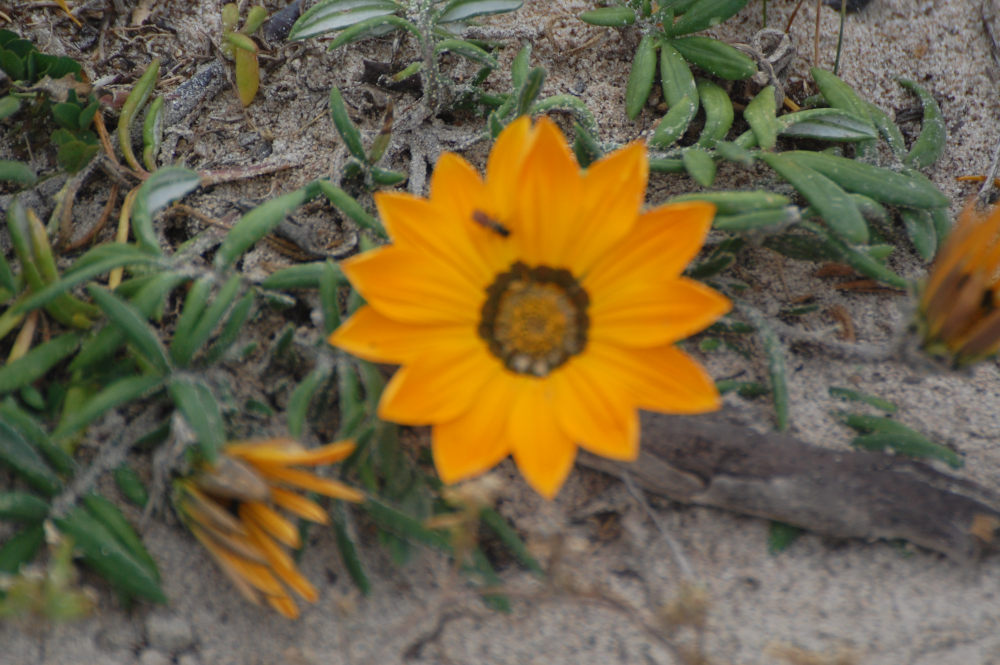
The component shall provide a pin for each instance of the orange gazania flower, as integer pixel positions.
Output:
(961, 301)
(232, 509)
(535, 310)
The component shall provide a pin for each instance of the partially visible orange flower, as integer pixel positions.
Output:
(961, 301)
(534, 310)
(231, 508)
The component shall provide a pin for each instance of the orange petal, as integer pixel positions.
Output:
(299, 505)
(459, 194)
(297, 581)
(242, 586)
(438, 387)
(543, 452)
(662, 378)
(475, 442)
(268, 519)
(422, 226)
(409, 286)
(375, 337)
(548, 197)
(595, 411)
(256, 574)
(504, 165)
(648, 315)
(264, 454)
(312, 483)
(242, 546)
(208, 512)
(456, 184)
(283, 566)
(613, 190)
(274, 554)
(663, 242)
(284, 605)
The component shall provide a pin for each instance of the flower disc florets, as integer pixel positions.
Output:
(534, 319)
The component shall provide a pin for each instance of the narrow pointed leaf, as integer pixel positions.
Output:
(839, 95)
(37, 362)
(933, 134)
(106, 555)
(345, 127)
(904, 189)
(338, 14)
(256, 224)
(673, 125)
(19, 455)
(200, 409)
(715, 57)
(133, 325)
(675, 76)
(919, 227)
(705, 14)
(16, 506)
(640, 78)
(21, 548)
(466, 50)
(699, 165)
(373, 27)
(114, 395)
(612, 17)
(760, 115)
(461, 10)
(829, 200)
(164, 186)
(18, 172)
(719, 113)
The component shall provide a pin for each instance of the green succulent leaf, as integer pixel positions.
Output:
(933, 134)
(462, 10)
(102, 551)
(612, 17)
(334, 15)
(705, 14)
(715, 57)
(640, 78)
(825, 195)
(20, 456)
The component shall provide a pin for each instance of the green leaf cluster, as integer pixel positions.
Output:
(50, 85)
(667, 39)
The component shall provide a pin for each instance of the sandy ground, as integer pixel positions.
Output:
(818, 602)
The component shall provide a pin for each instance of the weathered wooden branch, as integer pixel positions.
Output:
(713, 461)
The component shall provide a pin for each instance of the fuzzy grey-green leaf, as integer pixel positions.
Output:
(461, 10)
(640, 78)
(825, 195)
(333, 15)
(760, 115)
(675, 76)
(880, 184)
(719, 113)
(933, 135)
(673, 125)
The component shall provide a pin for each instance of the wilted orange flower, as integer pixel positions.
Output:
(535, 310)
(231, 509)
(960, 301)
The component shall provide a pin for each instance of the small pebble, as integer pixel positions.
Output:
(153, 657)
(168, 632)
(188, 659)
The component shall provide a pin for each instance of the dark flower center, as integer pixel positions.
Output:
(535, 318)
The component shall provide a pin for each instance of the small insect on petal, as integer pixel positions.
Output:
(484, 220)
